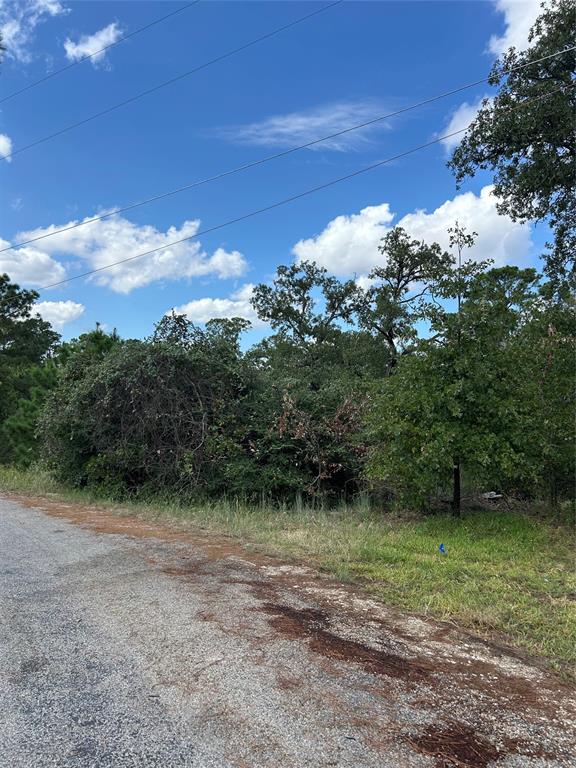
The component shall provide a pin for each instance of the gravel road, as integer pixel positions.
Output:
(124, 643)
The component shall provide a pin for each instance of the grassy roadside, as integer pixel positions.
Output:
(504, 573)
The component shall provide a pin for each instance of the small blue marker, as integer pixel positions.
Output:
(442, 549)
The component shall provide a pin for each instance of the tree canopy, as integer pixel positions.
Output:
(525, 134)
(436, 376)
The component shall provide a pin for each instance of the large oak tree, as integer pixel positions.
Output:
(525, 134)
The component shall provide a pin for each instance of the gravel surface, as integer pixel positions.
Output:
(124, 643)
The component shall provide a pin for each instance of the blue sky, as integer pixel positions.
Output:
(347, 64)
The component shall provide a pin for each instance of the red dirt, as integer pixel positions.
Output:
(455, 746)
(452, 678)
(312, 624)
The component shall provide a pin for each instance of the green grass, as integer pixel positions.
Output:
(505, 574)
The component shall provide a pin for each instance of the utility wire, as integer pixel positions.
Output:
(255, 163)
(97, 53)
(172, 80)
(292, 198)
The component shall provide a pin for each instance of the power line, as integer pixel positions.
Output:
(290, 199)
(261, 161)
(97, 53)
(172, 80)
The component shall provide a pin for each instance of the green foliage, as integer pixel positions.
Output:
(391, 307)
(291, 304)
(532, 149)
(491, 388)
(345, 395)
(87, 349)
(544, 362)
(24, 337)
(315, 372)
(18, 436)
(26, 341)
(148, 414)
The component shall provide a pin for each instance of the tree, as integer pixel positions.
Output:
(532, 149)
(544, 358)
(315, 371)
(79, 354)
(290, 306)
(148, 416)
(18, 432)
(24, 336)
(454, 403)
(392, 305)
(25, 342)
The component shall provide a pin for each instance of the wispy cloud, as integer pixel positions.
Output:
(88, 45)
(18, 22)
(295, 128)
(460, 118)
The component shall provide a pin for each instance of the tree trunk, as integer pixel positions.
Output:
(456, 496)
(553, 492)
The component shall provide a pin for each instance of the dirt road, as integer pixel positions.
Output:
(128, 644)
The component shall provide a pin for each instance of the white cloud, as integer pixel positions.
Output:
(88, 45)
(107, 241)
(499, 238)
(227, 263)
(18, 21)
(519, 17)
(237, 305)
(30, 265)
(297, 128)
(58, 313)
(349, 244)
(459, 119)
(364, 282)
(5, 147)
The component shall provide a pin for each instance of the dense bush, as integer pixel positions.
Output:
(441, 372)
(344, 397)
(147, 415)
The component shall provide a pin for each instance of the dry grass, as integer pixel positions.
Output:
(504, 573)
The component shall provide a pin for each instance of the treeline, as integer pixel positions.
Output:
(442, 374)
(432, 378)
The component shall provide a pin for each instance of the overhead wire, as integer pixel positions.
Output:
(290, 199)
(92, 55)
(263, 160)
(171, 81)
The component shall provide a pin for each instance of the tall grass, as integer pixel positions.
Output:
(504, 573)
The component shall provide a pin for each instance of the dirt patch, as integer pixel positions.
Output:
(453, 665)
(190, 568)
(286, 683)
(214, 547)
(312, 624)
(455, 746)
